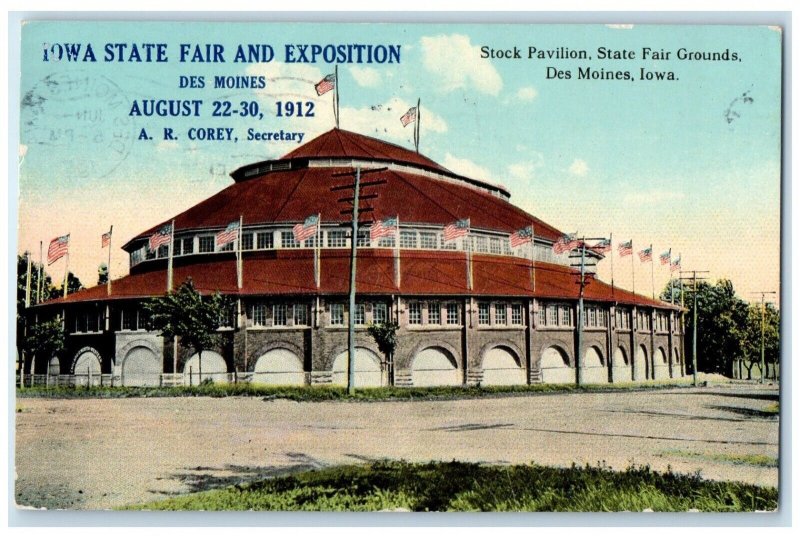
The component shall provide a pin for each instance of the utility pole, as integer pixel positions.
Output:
(356, 187)
(583, 273)
(694, 320)
(763, 314)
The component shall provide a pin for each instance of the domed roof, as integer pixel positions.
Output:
(418, 191)
(337, 143)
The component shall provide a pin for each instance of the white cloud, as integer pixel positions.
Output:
(620, 26)
(654, 196)
(523, 170)
(383, 121)
(527, 93)
(367, 77)
(465, 167)
(456, 62)
(579, 168)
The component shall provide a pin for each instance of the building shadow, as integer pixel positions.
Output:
(746, 412)
(198, 479)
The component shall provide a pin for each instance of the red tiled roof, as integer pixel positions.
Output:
(290, 272)
(337, 144)
(289, 196)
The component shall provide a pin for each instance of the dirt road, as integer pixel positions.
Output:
(97, 454)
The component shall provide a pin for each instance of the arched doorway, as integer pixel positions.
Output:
(54, 366)
(661, 367)
(502, 367)
(141, 368)
(435, 366)
(555, 366)
(676, 363)
(211, 366)
(594, 370)
(620, 368)
(640, 364)
(279, 367)
(86, 369)
(367, 369)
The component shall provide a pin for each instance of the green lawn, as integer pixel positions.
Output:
(320, 393)
(756, 460)
(456, 486)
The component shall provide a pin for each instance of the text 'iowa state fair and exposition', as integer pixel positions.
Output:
(221, 109)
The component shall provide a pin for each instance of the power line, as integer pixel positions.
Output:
(763, 313)
(694, 279)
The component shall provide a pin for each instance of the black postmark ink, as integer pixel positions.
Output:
(732, 112)
(80, 121)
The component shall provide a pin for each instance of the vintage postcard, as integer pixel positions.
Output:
(398, 267)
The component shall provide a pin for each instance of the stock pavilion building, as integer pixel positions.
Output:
(496, 315)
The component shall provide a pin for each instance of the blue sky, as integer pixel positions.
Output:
(654, 161)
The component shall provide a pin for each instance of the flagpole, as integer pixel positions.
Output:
(39, 277)
(611, 242)
(28, 280)
(633, 270)
(239, 261)
(671, 291)
(169, 260)
(108, 272)
(336, 94)
(652, 273)
(66, 270)
(397, 254)
(533, 260)
(469, 260)
(317, 260)
(416, 127)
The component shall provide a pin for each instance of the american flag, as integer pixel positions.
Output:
(162, 237)
(603, 246)
(228, 235)
(383, 228)
(456, 229)
(665, 256)
(105, 239)
(675, 265)
(409, 117)
(646, 255)
(305, 230)
(566, 243)
(326, 84)
(520, 237)
(626, 248)
(58, 247)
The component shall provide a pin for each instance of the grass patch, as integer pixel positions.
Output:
(772, 409)
(756, 460)
(456, 486)
(317, 393)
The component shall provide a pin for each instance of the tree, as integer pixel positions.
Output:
(73, 284)
(721, 318)
(672, 292)
(48, 291)
(102, 274)
(45, 338)
(385, 335)
(751, 338)
(187, 315)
